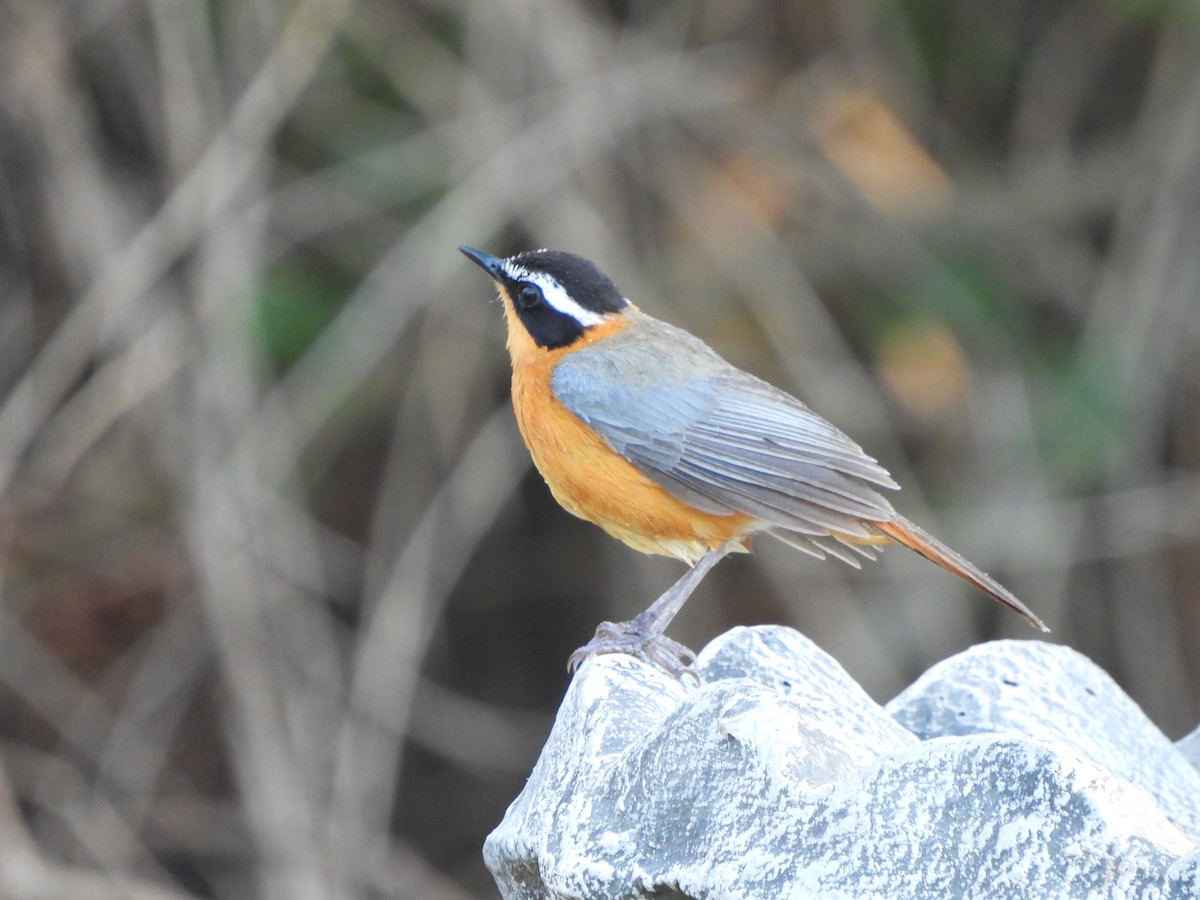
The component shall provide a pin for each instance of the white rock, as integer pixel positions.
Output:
(779, 777)
(1053, 694)
(1190, 748)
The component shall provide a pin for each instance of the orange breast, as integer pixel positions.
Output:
(592, 481)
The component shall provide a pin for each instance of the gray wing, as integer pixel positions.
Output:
(719, 438)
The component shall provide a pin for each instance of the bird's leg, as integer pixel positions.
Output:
(644, 636)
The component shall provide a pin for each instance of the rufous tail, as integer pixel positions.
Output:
(912, 536)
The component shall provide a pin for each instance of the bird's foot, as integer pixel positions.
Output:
(633, 638)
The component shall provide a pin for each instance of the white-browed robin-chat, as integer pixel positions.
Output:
(642, 429)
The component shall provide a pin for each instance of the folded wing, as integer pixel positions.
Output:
(721, 439)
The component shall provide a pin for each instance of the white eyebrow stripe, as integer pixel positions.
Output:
(556, 295)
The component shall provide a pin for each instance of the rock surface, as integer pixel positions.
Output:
(1190, 748)
(1015, 769)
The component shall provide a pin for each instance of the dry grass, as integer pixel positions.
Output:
(285, 610)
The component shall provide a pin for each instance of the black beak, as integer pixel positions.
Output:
(493, 265)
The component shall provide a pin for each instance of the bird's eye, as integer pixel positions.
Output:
(528, 296)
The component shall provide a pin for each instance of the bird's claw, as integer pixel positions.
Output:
(628, 637)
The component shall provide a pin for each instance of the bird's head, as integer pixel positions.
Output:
(554, 298)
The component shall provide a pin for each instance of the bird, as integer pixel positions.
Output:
(641, 428)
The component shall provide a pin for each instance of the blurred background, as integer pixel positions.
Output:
(285, 608)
